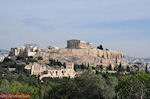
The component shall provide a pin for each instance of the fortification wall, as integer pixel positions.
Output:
(107, 54)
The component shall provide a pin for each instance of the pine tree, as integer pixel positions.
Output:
(128, 69)
(146, 69)
(109, 67)
(120, 68)
(100, 47)
(101, 67)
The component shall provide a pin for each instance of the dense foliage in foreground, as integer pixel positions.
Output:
(88, 86)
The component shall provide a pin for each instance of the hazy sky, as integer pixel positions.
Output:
(122, 25)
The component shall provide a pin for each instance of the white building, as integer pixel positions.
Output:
(27, 50)
(53, 48)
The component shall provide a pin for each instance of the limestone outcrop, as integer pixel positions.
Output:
(92, 57)
(107, 54)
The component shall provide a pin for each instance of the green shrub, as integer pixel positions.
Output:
(40, 58)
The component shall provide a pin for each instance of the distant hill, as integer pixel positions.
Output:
(4, 53)
(148, 59)
(129, 57)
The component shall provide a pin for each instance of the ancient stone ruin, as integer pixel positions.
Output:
(78, 44)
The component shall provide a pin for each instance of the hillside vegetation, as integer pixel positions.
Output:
(89, 85)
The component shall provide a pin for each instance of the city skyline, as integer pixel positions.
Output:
(118, 25)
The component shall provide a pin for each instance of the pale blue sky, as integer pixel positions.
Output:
(122, 25)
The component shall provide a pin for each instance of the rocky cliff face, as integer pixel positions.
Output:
(107, 54)
(92, 57)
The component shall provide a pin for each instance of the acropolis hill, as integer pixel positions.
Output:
(77, 52)
(80, 52)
